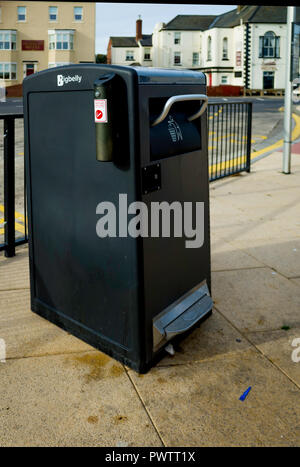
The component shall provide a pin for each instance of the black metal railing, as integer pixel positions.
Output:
(11, 222)
(229, 145)
(229, 138)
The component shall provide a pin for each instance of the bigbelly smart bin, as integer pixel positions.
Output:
(117, 135)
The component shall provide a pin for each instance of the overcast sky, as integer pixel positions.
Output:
(118, 19)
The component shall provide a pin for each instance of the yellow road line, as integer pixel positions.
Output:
(224, 165)
(215, 114)
(242, 159)
(18, 215)
(272, 147)
(18, 227)
(278, 144)
(259, 136)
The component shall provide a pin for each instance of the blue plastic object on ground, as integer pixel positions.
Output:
(245, 394)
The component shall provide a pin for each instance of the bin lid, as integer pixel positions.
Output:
(168, 76)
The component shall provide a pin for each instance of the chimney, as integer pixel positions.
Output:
(138, 35)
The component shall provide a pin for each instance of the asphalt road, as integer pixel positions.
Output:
(12, 106)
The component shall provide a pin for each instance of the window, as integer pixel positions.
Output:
(225, 49)
(52, 13)
(21, 13)
(78, 13)
(195, 58)
(269, 45)
(129, 55)
(177, 58)
(268, 79)
(208, 48)
(8, 40)
(177, 37)
(61, 40)
(147, 55)
(237, 74)
(8, 71)
(224, 79)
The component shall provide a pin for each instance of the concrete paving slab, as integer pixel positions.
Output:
(275, 161)
(284, 256)
(243, 217)
(214, 338)
(265, 175)
(84, 399)
(14, 272)
(225, 256)
(198, 404)
(27, 334)
(256, 299)
(282, 348)
(296, 281)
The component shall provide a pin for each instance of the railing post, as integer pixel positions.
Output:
(9, 186)
(249, 135)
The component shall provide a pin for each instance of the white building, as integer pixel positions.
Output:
(131, 50)
(244, 47)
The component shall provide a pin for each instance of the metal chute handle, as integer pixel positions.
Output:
(186, 97)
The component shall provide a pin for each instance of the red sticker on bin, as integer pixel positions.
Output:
(100, 110)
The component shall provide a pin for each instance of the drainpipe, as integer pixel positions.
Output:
(246, 57)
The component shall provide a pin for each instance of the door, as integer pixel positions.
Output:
(29, 69)
(268, 80)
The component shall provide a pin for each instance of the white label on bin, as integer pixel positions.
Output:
(100, 110)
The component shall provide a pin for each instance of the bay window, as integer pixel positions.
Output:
(61, 40)
(8, 40)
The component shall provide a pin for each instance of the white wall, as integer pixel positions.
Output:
(118, 56)
(259, 65)
(196, 41)
(164, 48)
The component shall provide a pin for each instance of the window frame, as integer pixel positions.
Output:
(225, 49)
(59, 39)
(12, 44)
(209, 55)
(195, 63)
(127, 56)
(177, 54)
(177, 38)
(18, 14)
(9, 66)
(147, 53)
(51, 20)
(74, 14)
(263, 47)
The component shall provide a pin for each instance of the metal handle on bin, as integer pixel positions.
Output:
(186, 97)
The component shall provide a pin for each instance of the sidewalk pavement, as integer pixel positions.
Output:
(58, 391)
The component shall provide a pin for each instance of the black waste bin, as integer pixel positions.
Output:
(99, 139)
